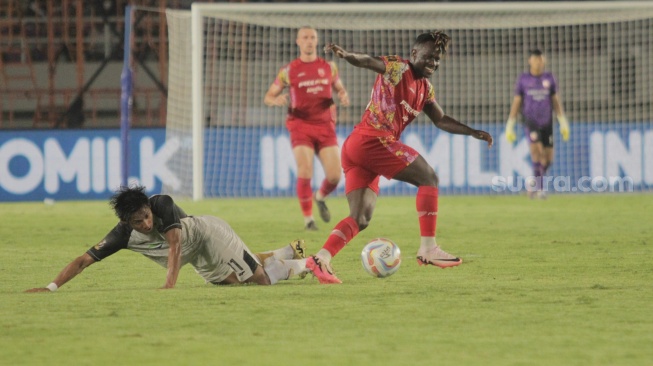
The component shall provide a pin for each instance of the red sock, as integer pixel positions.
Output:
(341, 235)
(427, 209)
(327, 188)
(305, 193)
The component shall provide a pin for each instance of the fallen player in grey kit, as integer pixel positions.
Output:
(160, 230)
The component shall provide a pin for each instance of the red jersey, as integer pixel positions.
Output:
(397, 98)
(310, 86)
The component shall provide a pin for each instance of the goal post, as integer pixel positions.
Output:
(225, 56)
(197, 75)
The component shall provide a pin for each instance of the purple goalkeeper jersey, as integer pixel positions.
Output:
(536, 93)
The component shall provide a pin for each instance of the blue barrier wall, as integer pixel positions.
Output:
(597, 158)
(77, 164)
(258, 162)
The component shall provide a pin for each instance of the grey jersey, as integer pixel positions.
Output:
(208, 243)
(155, 247)
(166, 216)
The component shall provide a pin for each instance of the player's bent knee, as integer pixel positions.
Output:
(428, 178)
(259, 277)
(432, 182)
(362, 223)
(263, 281)
(333, 180)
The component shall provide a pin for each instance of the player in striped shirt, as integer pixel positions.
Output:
(311, 120)
(400, 93)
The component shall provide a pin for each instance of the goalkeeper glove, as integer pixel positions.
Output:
(510, 130)
(564, 127)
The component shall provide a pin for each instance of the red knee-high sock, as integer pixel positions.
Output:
(341, 235)
(305, 193)
(327, 188)
(427, 209)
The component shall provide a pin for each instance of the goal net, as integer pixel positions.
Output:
(223, 58)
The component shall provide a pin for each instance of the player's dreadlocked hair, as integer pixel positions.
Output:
(438, 37)
(128, 200)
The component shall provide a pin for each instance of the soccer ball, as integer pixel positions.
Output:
(381, 257)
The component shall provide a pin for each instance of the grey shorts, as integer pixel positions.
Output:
(221, 251)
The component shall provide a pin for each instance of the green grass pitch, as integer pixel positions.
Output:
(567, 281)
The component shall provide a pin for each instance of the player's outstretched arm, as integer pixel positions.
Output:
(68, 273)
(173, 237)
(449, 124)
(357, 59)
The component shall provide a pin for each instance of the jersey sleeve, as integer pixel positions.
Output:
(430, 93)
(554, 85)
(115, 240)
(165, 208)
(334, 72)
(519, 88)
(394, 69)
(283, 80)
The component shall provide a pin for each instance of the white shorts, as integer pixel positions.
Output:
(221, 251)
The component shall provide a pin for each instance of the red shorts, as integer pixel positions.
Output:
(315, 136)
(365, 158)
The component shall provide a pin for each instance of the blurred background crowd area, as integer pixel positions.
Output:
(61, 61)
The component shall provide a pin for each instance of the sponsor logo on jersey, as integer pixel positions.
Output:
(99, 245)
(409, 109)
(314, 89)
(538, 95)
(314, 86)
(307, 83)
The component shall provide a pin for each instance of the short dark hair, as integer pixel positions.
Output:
(535, 52)
(438, 37)
(127, 200)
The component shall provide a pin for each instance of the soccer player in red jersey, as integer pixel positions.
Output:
(401, 91)
(311, 120)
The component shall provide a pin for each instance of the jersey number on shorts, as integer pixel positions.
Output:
(236, 267)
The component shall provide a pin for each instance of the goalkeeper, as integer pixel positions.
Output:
(536, 93)
(160, 230)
